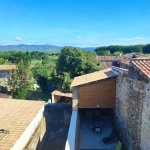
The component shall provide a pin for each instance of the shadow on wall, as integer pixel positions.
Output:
(57, 118)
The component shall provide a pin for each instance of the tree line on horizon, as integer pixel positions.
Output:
(117, 49)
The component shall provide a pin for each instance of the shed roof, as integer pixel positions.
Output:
(57, 92)
(8, 67)
(15, 116)
(143, 65)
(91, 77)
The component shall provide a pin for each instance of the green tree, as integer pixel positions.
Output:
(42, 72)
(73, 62)
(61, 81)
(20, 93)
(104, 53)
(146, 49)
(4, 61)
(20, 80)
(77, 62)
(117, 53)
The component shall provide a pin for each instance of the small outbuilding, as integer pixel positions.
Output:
(57, 96)
(95, 90)
(5, 73)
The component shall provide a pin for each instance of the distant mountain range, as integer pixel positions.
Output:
(24, 47)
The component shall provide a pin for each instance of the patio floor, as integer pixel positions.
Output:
(92, 141)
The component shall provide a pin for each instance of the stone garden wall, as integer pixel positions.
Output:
(52, 131)
(36, 139)
(57, 117)
(145, 129)
(128, 119)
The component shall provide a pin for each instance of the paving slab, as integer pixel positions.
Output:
(89, 140)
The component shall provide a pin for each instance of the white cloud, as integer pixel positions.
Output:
(131, 39)
(18, 39)
(79, 37)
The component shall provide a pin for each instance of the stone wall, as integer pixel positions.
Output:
(145, 130)
(56, 115)
(36, 139)
(130, 97)
(52, 130)
(57, 118)
(135, 73)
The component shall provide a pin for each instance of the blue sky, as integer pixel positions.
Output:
(75, 22)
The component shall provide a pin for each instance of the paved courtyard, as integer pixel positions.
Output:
(92, 141)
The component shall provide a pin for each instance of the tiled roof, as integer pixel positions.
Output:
(106, 61)
(106, 65)
(129, 57)
(15, 116)
(108, 58)
(8, 67)
(4, 95)
(57, 92)
(91, 77)
(143, 65)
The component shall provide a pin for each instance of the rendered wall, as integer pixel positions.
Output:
(75, 102)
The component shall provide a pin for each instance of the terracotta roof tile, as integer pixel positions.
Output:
(106, 61)
(143, 65)
(106, 65)
(15, 116)
(91, 77)
(108, 58)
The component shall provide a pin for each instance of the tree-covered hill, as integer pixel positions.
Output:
(25, 47)
(116, 49)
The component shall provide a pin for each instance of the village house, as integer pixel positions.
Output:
(107, 61)
(121, 61)
(131, 116)
(126, 92)
(119, 96)
(5, 73)
(22, 125)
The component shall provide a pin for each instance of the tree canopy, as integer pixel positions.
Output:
(20, 79)
(73, 62)
(119, 48)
